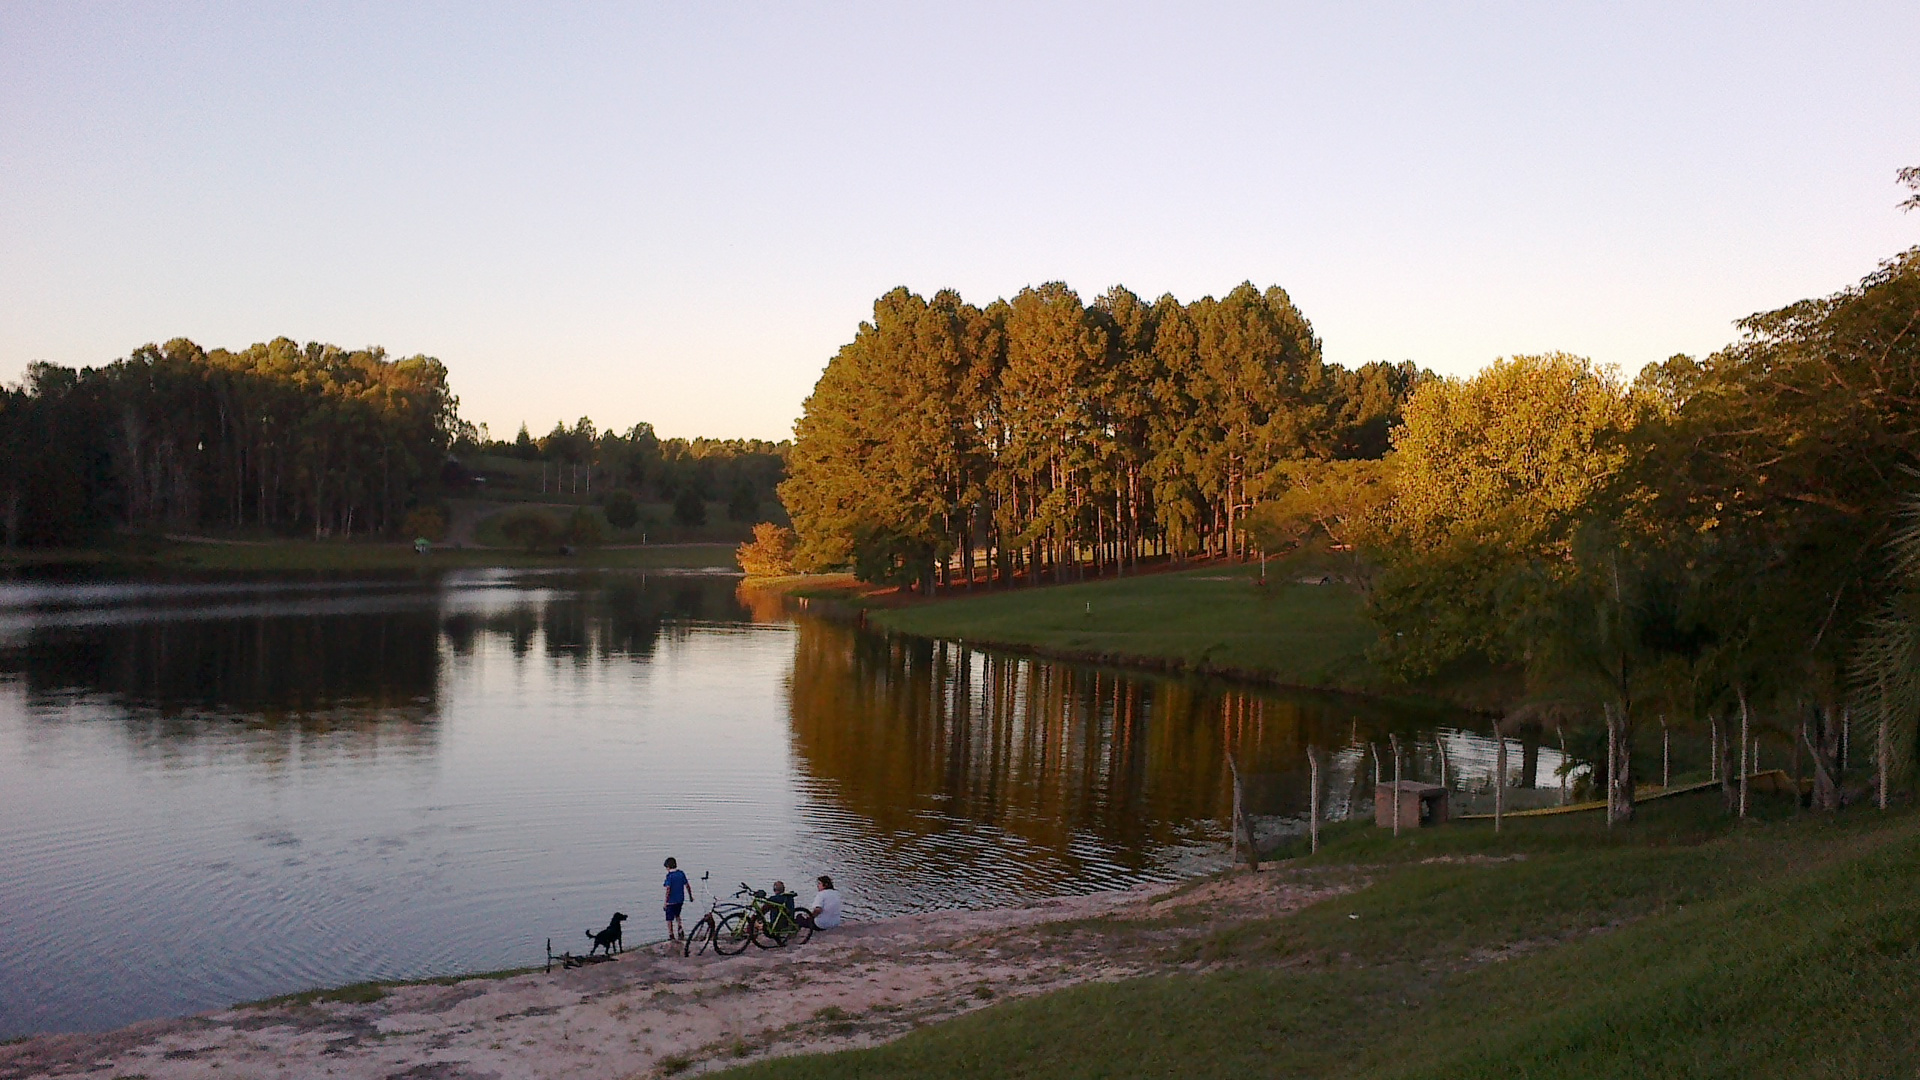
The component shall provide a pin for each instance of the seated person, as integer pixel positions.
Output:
(826, 904)
(782, 897)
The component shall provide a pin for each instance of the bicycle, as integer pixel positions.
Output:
(774, 924)
(727, 927)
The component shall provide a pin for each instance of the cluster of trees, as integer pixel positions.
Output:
(292, 438)
(280, 435)
(1729, 542)
(1043, 436)
(688, 473)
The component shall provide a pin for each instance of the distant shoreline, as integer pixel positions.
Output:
(183, 552)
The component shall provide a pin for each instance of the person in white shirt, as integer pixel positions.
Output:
(826, 904)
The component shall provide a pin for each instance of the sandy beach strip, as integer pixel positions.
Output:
(653, 1012)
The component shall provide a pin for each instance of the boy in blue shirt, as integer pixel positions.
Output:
(678, 890)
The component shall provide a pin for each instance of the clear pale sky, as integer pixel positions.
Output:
(678, 212)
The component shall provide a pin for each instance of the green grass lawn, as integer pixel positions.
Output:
(656, 525)
(1677, 947)
(1214, 619)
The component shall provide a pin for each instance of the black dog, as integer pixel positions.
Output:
(609, 939)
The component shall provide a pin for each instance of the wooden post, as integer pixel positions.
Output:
(1713, 746)
(1745, 762)
(1374, 751)
(1561, 730)
(1666, 755)
(1499, 775)
(1394, 742)
(1613, 764)
(1242, 824)
(1440, 746)
(1313, 794)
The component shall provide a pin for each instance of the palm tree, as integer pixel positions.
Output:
(1885, 672)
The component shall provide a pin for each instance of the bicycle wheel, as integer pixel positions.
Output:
(730, 938)
(803, 920)
(699, 937)
(772, 929)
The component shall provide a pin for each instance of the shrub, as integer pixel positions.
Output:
(529, 528)
(425, 521)
(585, 527)
(769, 553)
(623, 510)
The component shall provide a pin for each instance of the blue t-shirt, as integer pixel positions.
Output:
(676, 884)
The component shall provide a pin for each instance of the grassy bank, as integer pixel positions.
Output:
(1678, 947)
(334, 555)
(1211, 619)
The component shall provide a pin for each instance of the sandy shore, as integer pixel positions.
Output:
(655, 1013)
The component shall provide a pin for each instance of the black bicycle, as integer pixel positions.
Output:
(726, 927)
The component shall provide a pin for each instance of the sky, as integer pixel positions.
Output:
(677, 213)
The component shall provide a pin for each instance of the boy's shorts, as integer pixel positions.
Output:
(673, 912)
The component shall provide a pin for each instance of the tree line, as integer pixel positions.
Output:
(313, 439)
(687, 473)
(279, 435)
(1046, 437)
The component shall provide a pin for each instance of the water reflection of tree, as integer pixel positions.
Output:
(599, 618)
(907, 732)
(356, 682)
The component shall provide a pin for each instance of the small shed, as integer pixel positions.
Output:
(1420, 804)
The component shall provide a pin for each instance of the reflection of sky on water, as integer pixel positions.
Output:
(268, 786)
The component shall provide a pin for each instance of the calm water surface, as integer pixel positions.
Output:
(216, 791)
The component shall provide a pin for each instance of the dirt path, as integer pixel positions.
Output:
(654, 1013)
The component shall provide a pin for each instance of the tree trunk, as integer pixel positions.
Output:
(1824, 747)
(1880, 758)
(1620, 778)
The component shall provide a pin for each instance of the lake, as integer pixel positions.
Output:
(219, 789)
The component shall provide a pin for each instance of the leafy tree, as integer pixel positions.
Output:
(622, 509)
(769, 553)
(1521, 452)
(689, 509)
(1346, 502)
(1491, 474)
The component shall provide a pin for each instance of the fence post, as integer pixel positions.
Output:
(1313, 794)
(1746, 763)
(1499, 775)
(1394, 742)
(1242, 824)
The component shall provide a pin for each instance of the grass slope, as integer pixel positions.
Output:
(1214, 619)
(1678, 948)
